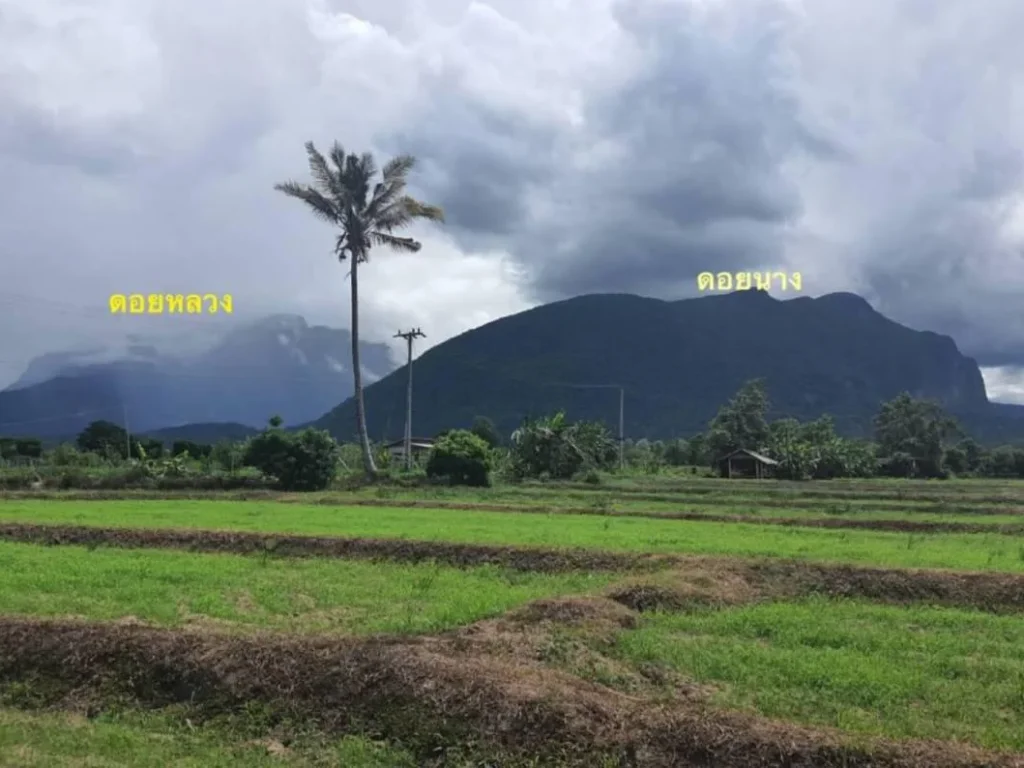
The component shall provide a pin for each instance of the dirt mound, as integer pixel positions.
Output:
(654, 597)
(416, 692)
(462, 555)
(576, 611)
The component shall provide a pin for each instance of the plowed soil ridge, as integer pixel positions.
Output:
(462, 555)
(430, 692)
(949, 505)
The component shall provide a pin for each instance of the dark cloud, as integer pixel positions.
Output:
(599, 145)
(675, 169)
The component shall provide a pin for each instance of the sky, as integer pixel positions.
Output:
(576, 145)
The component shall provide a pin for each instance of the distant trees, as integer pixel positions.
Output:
(191, 449)
(105, 438)
(912, 436)
(484, 429)
(556, 448)
(813, 450)
(341, 195)
(300, 461)
(741, 423)
(20, 447)
(461, 458)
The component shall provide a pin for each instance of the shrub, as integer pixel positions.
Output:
(461, 458)
(302, 461)
(557, 448)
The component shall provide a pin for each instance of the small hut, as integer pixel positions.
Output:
(746, 464)
(420, 447)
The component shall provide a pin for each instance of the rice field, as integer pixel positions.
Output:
(630, 623)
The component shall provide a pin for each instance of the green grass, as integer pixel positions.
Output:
(898, 672)
(172, 588)
(991, 552)
(765, 505)
(48, 740)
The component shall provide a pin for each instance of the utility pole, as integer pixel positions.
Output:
(622, 428)
(127, 433)
(415, 333)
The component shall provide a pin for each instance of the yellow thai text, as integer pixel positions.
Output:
(744, 281)
(170, 304)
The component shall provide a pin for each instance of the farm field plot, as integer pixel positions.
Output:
(974, 551)
(447, 636)
(145, 741)
(169, 588)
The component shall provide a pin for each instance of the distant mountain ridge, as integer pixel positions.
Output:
(679, 361)
(277, 365)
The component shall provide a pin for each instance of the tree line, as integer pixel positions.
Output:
(913, 438)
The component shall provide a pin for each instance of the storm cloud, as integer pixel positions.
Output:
(588, 145)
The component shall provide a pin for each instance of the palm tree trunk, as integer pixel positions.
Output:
(357, 375)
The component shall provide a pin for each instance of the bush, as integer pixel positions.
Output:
(559, 449)
(302, 461)
(461, 458)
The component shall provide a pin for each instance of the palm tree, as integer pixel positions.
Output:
(341, 195)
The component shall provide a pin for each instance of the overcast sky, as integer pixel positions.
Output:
(577, 146)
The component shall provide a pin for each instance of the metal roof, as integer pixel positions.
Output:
(753, 454)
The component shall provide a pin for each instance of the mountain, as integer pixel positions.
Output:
(203, 433)
(278, 365)
(679, 361)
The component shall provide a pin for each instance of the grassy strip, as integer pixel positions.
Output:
(900, 672)
(169, 588)
(990, 552)
(153, 740)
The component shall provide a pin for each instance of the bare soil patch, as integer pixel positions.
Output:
(841, 504)
(429, 693)
(992, 592)
(462, 555)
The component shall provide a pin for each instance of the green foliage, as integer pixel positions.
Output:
(646, 455)
(104, 438)
(741, 423)
(906, 426)
(191, 449)
(814, 451)
(462, 458)
(558, 449)
(227, 455)
(147, 447)
(1005, 461)
(20, 447)
(484, 429)
(67, 455)
(302, 461)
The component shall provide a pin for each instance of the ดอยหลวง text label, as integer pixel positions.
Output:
(170, 304)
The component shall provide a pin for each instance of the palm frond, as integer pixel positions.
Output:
(368, 165)
(420, 210)
(406, 244)
(398, 167)
(325, 177)
(385, 195)
(321, 206)
(403, 211)
(338, 156)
